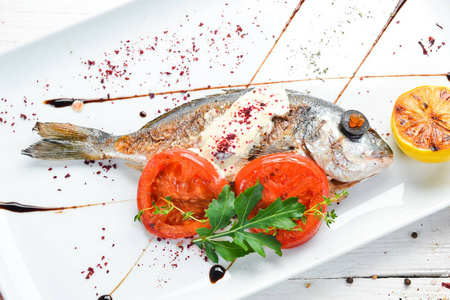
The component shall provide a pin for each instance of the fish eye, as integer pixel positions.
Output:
(353, 124)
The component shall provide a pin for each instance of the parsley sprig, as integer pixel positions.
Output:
(279, 214)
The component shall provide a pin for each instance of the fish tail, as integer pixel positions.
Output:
(62, 141)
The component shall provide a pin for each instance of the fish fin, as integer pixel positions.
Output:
(337, 186)
(49, 149)
(66, 141)
(136, 167)
(232, 91)
(65, 131)
(260, 150)
(163, 116)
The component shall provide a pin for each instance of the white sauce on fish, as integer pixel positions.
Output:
(228, 139)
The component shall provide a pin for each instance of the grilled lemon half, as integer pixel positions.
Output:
(421, 123)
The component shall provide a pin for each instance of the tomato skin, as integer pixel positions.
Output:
(287, 175)
(189, 179)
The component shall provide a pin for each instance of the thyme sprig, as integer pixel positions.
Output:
(328, 216)
(166, 209)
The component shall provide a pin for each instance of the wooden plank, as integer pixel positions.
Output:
(425, 260)
(398, 254)
(24, 21)
(361, 288)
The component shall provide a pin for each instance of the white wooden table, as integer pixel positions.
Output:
(378, 270)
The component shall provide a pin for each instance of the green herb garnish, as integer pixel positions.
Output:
(279, 214)
(237, 241)
(166, 209)
(329, 217)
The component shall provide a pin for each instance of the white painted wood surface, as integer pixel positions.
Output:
(425, 260)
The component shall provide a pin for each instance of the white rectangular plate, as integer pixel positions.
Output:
(132, 50)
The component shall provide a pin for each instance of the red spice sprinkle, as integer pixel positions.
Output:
(151, 95)
(91, 271)
(425, 52)
(201, 24)
(225, 143)
(446, 284)
(67, 175)
(431, 40)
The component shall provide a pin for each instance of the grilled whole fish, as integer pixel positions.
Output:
(308, 126)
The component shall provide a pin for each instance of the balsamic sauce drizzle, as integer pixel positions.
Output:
(389, 21)
(276, 42)
(64, 102)
(25, 208)
(139, 258)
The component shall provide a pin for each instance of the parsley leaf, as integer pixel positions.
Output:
(279, 214)
(246, 201)
(219, 212)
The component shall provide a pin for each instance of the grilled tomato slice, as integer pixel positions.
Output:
(421, 123)
(189, 179)
(287, 175)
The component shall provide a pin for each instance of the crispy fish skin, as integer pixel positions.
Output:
(310, 128)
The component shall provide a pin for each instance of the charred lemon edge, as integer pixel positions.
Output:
(423, 155)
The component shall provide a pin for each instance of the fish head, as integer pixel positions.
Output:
(341, 158)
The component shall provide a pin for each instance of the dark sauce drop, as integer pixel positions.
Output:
(143, 114)
(23, 208)
(64, 102)
(105, 297)
(216, 273)
(60, 102)
(448, 76)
